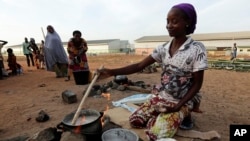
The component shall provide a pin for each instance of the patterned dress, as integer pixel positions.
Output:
(77, 55)
(176, 80)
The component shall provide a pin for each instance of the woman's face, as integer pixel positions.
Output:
(77, 36)
(50, 29)
(176, 25)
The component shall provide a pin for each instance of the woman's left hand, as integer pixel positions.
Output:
(166, 109)
(172, 109)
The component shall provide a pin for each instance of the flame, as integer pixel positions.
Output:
(77, 130)
(107, 96)
(104, 114)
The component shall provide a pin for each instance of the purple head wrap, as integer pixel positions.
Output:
(189, 10)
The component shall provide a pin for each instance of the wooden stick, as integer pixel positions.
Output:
(85, 96)
(43, 33)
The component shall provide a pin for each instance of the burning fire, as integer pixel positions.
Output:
(77, 130)
(107, 96)
(80, 121)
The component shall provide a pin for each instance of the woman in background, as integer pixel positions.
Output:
(77, 48)
(55, 56)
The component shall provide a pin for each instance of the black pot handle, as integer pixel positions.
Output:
(101, 114)
(60, 126)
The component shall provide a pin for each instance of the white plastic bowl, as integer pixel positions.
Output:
(119, 134)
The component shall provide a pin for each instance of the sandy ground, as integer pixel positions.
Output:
(225, 97)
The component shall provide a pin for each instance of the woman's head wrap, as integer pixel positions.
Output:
(189, 10)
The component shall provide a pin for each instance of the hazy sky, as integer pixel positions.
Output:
(113, 19)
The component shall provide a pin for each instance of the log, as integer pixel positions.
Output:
(138, 89)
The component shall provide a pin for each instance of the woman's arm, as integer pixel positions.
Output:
(105, 72)
(3, 42)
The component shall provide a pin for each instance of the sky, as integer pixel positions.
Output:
(113, 19)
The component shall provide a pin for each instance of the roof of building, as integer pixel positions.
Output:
(200, 37)
(105, 41)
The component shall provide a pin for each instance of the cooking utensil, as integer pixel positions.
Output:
(85, 96)
(88, 120)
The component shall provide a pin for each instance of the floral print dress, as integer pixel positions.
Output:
(77, 55)
(176, 80)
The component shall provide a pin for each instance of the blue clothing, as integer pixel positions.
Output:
(54, 51)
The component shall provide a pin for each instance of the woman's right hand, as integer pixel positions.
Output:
(104, 73)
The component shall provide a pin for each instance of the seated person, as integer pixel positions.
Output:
(12, 63)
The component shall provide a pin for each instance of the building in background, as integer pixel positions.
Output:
(94, 47)
(215, 43)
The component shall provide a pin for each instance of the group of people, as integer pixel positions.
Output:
(51, 54)
(34, 54)
(31, 51)
(183, 60)
(14, 67)
(56, 59)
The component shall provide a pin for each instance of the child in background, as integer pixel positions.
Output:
(40, 58)
(12, 63)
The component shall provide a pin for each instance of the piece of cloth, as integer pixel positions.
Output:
(54, 51)
(159, 125)
(189, 10)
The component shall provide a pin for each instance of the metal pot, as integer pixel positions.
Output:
(121, 79)
(89, 122)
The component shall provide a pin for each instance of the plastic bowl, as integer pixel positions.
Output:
(119, 134)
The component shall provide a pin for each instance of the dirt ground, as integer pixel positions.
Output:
(225, 97)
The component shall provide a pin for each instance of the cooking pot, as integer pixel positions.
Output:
(121, 79)
(88, 122)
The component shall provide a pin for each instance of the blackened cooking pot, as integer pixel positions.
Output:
(121, 79)
(88, 122)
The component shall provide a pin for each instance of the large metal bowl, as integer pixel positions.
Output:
(119, 134)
